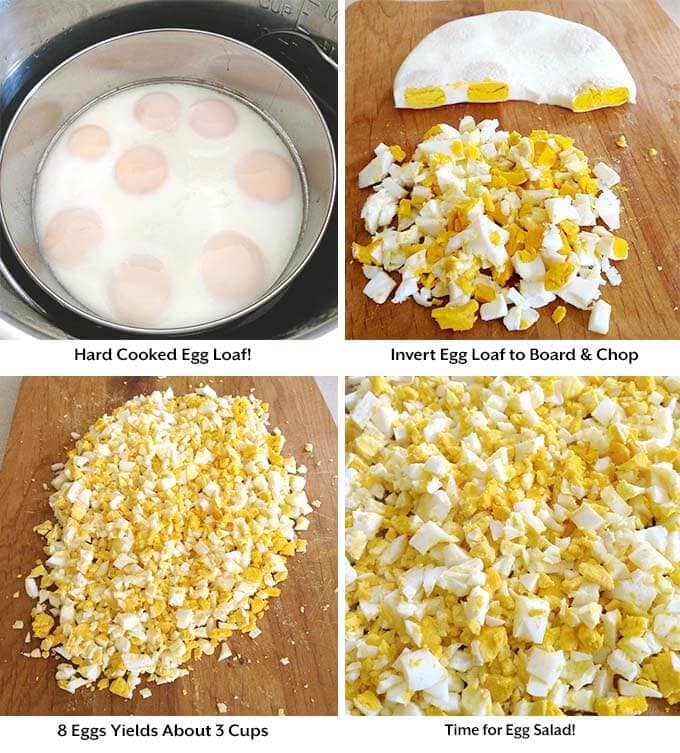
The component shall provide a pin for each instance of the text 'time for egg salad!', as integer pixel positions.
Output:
(513, 545)
(174, 519)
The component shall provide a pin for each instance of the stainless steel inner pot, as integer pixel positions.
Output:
(188, 55)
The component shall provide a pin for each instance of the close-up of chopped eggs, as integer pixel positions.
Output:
(173, 519)
(481, 223)
(512, 545)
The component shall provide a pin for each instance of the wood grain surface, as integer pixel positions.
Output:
(381, 34)
(48, 410)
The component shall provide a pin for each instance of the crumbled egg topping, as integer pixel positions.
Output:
(512, 545)
(174, 519)
(498, 223)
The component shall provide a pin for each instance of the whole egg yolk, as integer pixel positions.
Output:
(72, 234)
(141, 170)
(594, 98)
(89, 142)
(265, 176)
(232, 266)
(487, 91)
(213, 119)
(140, 290)
(157, 111)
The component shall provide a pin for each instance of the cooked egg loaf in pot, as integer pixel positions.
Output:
(171, 181)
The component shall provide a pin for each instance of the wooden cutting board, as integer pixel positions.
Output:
(48, 410)
(381, 34)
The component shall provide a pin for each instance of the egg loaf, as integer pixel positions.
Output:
(516, 54)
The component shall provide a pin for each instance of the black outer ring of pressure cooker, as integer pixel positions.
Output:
(311, 300)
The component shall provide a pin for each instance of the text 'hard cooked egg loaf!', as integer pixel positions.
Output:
(174, 519)
(514, 55)
(512, 545)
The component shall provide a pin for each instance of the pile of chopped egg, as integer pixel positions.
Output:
(174, 519)
(512, 545)
(491, 224)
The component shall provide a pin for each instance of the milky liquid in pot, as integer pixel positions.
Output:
(167, 205)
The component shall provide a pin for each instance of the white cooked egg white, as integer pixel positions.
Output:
(514, 55)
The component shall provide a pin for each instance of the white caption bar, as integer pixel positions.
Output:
(492, 358)
(302, 734)
(169, 357)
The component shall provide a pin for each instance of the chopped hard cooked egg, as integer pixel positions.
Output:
(490, 224)
(174, 517)
(513, 545)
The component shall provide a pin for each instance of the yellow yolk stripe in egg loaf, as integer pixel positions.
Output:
(514, 55)
(481, 223)
(512, 545)
(173, 520)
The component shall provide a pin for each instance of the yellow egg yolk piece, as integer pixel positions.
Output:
(558, 314)
(594, 98)
(487, 91)
(620, 248)
(457, 318)
(425, 96)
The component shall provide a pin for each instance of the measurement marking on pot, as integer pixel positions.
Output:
(328, 11)
(277, 7)
(331, 13)
(304, 11)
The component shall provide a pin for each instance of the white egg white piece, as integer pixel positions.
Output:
(514, 55)
(599, 317)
